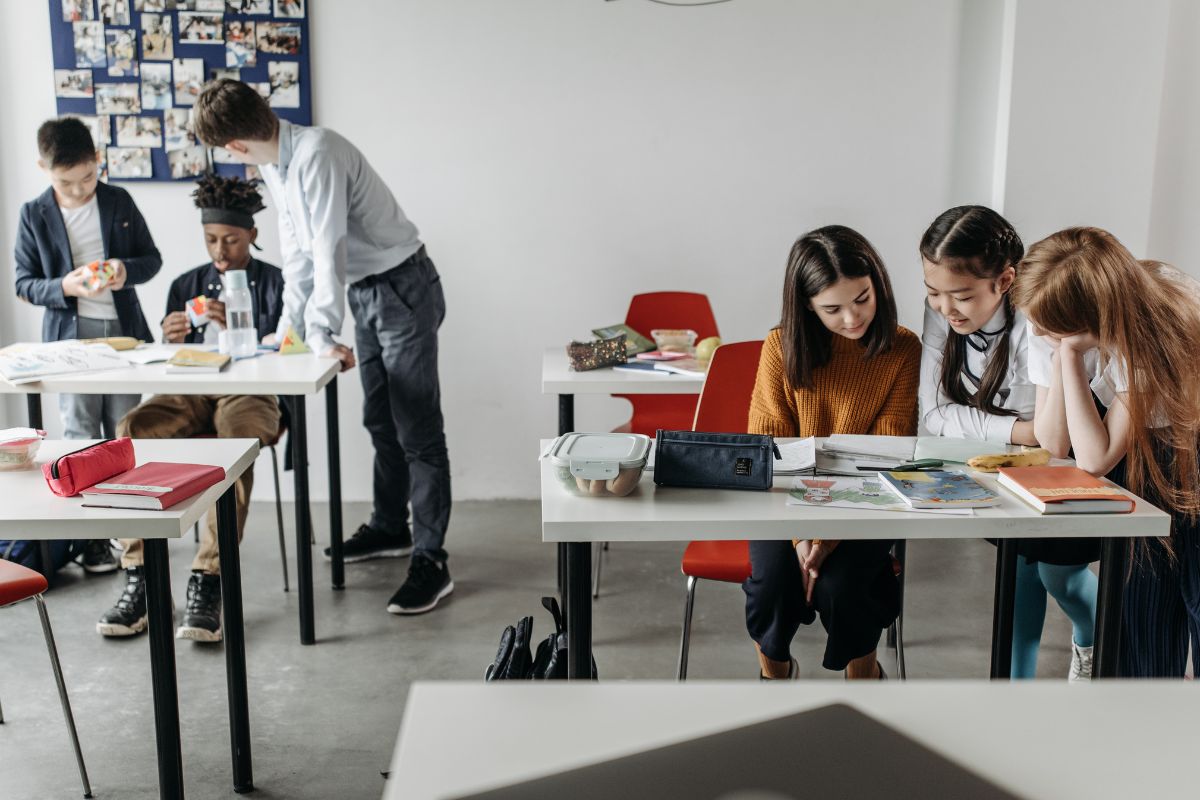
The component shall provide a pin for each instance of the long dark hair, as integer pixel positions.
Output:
(974, 241)
(818, 260)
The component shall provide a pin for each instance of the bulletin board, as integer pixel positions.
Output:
(132, 69)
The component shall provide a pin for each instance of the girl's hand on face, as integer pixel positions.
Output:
(1079, 342)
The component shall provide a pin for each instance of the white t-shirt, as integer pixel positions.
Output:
(87, 245)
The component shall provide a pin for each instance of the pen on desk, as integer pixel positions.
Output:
(919, 465)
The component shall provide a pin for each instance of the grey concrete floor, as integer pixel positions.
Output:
(324, 719)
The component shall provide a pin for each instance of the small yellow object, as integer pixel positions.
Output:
(705, 349)
(115, 342)
(1028, 457)
(292, 344)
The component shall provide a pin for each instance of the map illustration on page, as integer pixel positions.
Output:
(867, 493)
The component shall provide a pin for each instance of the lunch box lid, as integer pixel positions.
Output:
(599, 455)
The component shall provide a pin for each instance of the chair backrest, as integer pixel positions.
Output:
(671, 310)
(724, 405)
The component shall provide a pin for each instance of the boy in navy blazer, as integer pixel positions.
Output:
(75, 222)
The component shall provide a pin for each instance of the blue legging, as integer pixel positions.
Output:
(1073, 587)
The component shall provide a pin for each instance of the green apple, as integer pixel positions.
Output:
(706, 347)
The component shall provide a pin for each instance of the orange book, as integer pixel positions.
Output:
(1065, 490)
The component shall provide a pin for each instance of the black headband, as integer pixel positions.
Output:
(226, 216)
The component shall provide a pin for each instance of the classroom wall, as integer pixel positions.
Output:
(561, 155)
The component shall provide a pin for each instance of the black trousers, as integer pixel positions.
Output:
(397, 314)
(857, 596)
(1161, 609)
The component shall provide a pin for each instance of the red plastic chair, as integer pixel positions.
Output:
(19, 583)
(724, 407)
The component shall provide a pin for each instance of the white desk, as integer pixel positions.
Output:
(669, 514)
(31, 511)
(294, 377)
(558, 378)
(1037, 739)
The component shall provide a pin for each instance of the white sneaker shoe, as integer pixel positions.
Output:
(1081, 663)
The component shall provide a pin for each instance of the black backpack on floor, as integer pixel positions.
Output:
(514, 660)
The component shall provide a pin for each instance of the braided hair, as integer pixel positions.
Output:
(975, 241)
(228, 198)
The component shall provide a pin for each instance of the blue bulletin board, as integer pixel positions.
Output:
(131, 69)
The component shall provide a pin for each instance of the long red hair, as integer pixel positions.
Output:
(1146, 315)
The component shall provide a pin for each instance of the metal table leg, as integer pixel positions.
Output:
(1114, 555)
(235, 642)
(566, 424)
(33, 405)
(579, 610)
(1002, 611)
(303, 519)
(333, 445)
(162, 670)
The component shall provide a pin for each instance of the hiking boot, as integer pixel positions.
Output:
(202, 618)
(368, 543)
(128, 616)
(98, 557)
(427, 582)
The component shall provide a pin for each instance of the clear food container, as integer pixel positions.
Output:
(677, 340)
(18, 446)
(599, 464)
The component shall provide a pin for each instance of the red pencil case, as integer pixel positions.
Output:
(70, 474)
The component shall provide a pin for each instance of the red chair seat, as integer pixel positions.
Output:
(19, 583)
(717, 561)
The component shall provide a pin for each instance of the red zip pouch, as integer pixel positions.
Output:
(70, 474)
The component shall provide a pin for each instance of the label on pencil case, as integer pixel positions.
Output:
(132, 487)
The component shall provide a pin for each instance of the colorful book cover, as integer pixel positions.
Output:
(936, 489)
(634, 342)
(865, 493)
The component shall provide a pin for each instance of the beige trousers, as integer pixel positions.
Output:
(180, 416)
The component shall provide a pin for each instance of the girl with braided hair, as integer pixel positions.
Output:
(975, 384)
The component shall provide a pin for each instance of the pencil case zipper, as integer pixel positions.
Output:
(54, 466)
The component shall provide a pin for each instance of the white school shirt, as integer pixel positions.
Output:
(1016, 393)
(87, 245)
(338, 223)
(1106, 382)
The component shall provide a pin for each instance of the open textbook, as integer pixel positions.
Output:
(863, 493)
(26, 362)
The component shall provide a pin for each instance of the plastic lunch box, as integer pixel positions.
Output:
(18, 446)
(600, 464)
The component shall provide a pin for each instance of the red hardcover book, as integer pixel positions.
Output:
(155, 485)
(1064, 490)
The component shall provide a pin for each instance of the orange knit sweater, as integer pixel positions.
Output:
(851, 395)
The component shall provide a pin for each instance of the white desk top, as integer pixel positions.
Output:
(29, 510)
(266, 374)
(1043, 739)
(557, 378)
(664, 514)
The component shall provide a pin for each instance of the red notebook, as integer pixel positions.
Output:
(1064, 490)
(155, 485)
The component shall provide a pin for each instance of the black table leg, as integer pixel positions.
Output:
(34, 405)
(333, 445)
(234, 635)
(162, 670)
(303, 519)
(1114, 555)
(579, 610)
(1002, 611)
(566, 424)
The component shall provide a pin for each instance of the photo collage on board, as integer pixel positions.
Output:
(131, 70)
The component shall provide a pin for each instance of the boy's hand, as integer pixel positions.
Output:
(74, 283)
(216, 312)
(119, 275)
(176, 327)
(341, 353)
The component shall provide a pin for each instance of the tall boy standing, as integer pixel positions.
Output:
(76, 221)
(340, 225)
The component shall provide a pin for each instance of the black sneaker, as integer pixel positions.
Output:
(128, 616)
(427, 583)
(368, 543)
(98, 557)
(202, 618)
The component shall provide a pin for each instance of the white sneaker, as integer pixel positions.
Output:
(1081, 663)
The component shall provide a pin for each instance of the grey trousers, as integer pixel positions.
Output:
(94, 416)
(397, 315)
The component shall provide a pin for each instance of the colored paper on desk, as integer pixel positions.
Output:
(292, 344)
(26, 362)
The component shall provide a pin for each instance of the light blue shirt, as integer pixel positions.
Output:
(338, 223)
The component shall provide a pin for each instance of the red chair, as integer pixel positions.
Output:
(19, 583)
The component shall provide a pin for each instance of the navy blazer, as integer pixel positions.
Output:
(266, 294)
(43, 258)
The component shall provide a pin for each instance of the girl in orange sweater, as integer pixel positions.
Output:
(837, 363)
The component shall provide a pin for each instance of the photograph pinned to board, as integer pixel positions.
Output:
(189, 78)
(157, 40)
(73, 83)
(89, 45)
(177, 129)
(240, 47)
(120, 45)
(262, 87)
(217, 73)
(279, 38)
(210, 5)
(156, 87)
(285, 84)
(118, 98)
(149, 5)
(129, 162)
(114, 12)
(256, 7)
(78, 10)
(139, 132)
(188, 162)
(99, 126)
(293, 9)
(200, 27)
